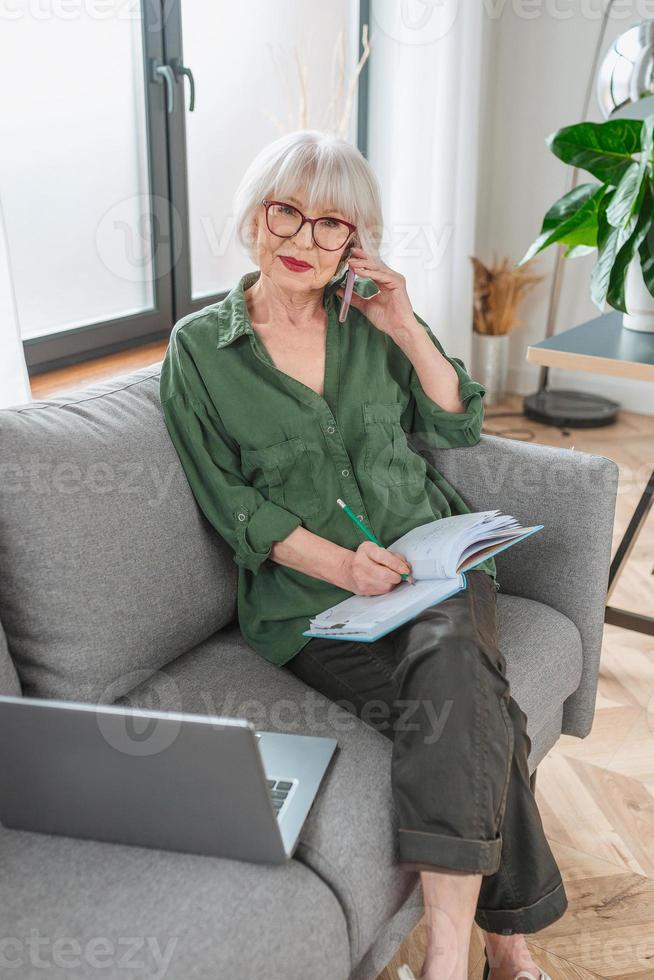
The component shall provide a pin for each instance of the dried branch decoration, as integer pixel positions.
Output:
(299, 117)
(498, 291)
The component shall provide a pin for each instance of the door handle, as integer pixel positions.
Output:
(181, 70)
(164, 75)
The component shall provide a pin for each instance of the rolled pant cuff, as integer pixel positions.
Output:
(423, 851)
(531, 918)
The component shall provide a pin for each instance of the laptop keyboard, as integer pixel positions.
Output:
(279, 790)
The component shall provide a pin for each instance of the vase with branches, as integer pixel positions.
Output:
(498, 291)
(336, 117)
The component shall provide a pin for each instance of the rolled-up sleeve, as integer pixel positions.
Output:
(242, 516)
(442, 429)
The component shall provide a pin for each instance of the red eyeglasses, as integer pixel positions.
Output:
(284, 220)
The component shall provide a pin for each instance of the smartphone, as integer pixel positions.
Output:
(347, 295)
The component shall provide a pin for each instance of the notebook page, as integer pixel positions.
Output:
(426, 547)
(498, 538)
(494, 549)
(364, 612)
(441, 590)
(469, 532)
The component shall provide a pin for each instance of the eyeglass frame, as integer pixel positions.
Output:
(312, 221)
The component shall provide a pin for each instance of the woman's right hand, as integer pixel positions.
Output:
(372, 570)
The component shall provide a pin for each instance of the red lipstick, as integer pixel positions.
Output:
(295, 265)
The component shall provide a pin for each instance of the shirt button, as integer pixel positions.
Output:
(345, 472)
(241, 517)
(360, 516)
(330, 429)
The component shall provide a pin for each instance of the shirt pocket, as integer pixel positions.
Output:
(389, 460)
(284, 473)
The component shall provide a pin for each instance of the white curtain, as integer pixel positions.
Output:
(14, 379)
(423, 144)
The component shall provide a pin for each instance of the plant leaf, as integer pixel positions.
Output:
(608, 241)
(646, 252)
(568, 205)
(572, 220)
(603, 149)
(629, 189)
(629, 192)
(627, 251)
(575, 251)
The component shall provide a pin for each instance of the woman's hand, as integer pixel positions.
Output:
(371, 570)
(390, 309)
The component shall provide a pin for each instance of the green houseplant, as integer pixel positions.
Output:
(614, 216)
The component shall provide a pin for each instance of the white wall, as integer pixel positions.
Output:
(536, 67)
(14, 380)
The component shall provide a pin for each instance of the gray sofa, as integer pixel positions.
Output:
(114, 587)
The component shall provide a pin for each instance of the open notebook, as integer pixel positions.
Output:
(439, 552)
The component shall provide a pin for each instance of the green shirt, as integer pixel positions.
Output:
(263, 453)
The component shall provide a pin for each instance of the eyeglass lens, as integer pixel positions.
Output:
(284, 220)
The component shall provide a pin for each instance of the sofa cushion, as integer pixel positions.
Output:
(223, 676)
(107, 565)
(9, 683)
(77, 908)
(544, 661)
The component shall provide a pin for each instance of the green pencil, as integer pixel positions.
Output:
(362, 527)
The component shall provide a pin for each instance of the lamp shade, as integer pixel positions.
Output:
(625, 79)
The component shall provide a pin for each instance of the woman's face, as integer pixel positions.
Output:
(321, 264)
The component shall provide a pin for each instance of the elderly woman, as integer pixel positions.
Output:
(277, 409)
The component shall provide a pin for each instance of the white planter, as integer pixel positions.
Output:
(490, 361)
(638, 300)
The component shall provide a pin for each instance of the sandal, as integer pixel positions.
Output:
(406, 973)
(522, 975)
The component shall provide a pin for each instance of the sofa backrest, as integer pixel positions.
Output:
(108, 567)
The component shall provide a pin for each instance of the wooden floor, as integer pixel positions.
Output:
(596, 795)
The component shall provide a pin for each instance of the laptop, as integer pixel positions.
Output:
(171, 780)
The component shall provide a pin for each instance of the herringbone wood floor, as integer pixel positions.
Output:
(596, 795)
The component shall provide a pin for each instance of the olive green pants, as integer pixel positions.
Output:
(437, 687)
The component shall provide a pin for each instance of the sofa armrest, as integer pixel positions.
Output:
(566, 564)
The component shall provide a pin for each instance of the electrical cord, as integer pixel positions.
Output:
(507, 433)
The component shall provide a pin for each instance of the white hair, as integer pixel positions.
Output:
(326, 171)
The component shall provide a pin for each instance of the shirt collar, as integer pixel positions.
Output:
(232, 312)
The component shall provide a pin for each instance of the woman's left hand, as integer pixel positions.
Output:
(390, 309)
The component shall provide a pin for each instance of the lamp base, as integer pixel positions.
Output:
(570, 409)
